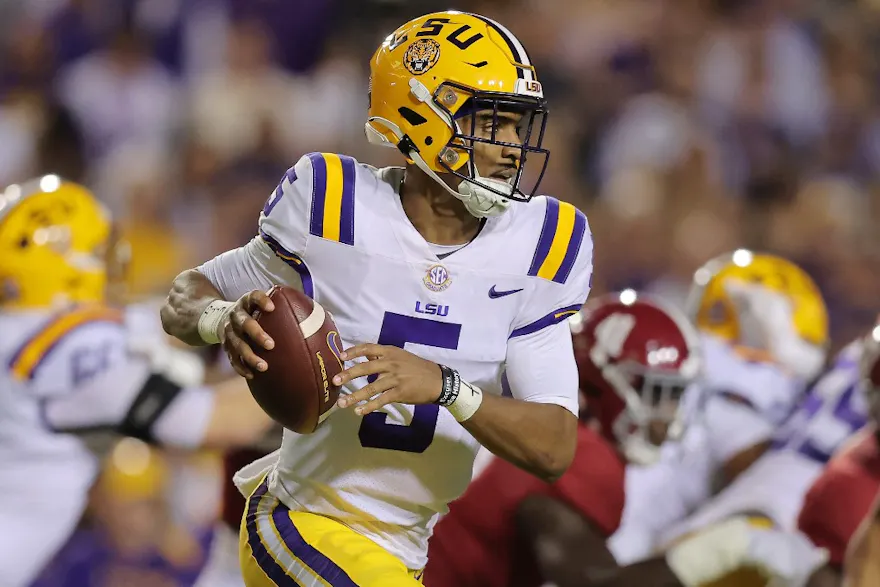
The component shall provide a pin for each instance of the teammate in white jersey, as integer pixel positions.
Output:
(75, 369)
(774, 486)
(449, 261)
(764, 327)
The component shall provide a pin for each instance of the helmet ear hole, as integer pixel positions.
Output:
(411, 116)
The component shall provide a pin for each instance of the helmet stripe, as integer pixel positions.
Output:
(516, 48)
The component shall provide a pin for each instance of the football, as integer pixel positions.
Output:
(296, 389)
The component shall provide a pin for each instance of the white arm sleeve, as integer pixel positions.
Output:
(253, 266)
(541, 367)
(733, 427)
(185, 421)
(154, 395)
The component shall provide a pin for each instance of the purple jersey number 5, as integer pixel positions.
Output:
(397, 330)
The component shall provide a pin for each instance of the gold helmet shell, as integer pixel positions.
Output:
(54, 238)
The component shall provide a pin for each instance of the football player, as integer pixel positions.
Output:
(440, 275)
(833, 410)
(71, 371)
(635, 358)
(843, 495)
(764, 333)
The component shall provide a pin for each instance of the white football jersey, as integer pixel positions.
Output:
(69, 384)
(834, 409)
(739, 402)
(500, 302)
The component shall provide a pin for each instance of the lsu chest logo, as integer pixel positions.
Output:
(421, 56)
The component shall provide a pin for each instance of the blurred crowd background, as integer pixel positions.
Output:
(684, 128)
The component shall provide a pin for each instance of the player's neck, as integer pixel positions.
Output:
(439, 216)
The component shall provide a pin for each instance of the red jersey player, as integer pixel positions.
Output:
(843, 496)
(635, 359)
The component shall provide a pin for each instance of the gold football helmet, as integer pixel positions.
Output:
(54, 241)
(434, 71)
(713, 311)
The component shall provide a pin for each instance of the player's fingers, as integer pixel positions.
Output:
(360, 370)
(379, 386)
(244, 351)
(259, 299)
(368, 350)
(236, 363)
(383, 399)
(248, 328)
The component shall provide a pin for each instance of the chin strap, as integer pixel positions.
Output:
(479, 201)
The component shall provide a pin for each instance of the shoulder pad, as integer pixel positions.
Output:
(563, 265)
(562, 235)
(314, 198)
(63, 330)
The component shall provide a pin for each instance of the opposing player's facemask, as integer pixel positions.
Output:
(651, 415)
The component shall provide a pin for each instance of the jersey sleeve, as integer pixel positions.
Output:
(818, 520)
(594, 483)
(540, 367)
(91, 381)
(732, 427)
(253, 266)
(285, 219)
(561, 268)
(660, 495)
(840, 498)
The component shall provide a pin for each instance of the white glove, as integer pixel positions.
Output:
(766, 319)
(787, 558)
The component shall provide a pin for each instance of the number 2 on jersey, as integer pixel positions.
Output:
(397, 330)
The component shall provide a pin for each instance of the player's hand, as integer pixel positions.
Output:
(238, 331)
(403, 378)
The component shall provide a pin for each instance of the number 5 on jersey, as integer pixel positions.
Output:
(397, 330)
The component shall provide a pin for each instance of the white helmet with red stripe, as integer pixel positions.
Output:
(635, 358)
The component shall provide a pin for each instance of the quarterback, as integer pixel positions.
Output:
(441, 275)
(77, 369)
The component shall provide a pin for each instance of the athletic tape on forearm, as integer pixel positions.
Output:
(210, 320)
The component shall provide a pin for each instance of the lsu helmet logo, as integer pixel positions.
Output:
(421, 56)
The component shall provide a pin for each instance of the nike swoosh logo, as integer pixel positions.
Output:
(478, 65)
(493, 293)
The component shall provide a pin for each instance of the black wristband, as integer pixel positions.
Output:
(451, 386)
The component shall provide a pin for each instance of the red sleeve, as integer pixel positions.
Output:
(839, 499)
(594, 483)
